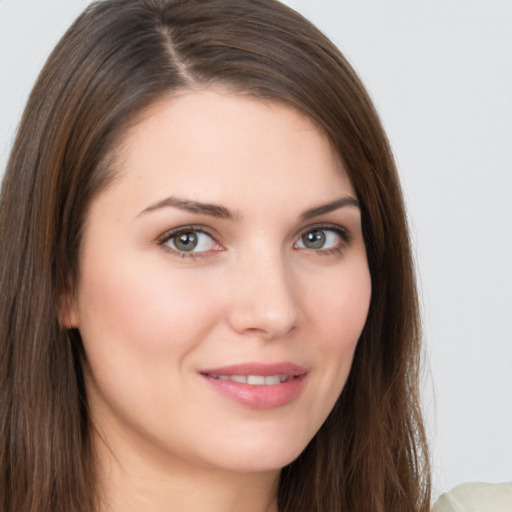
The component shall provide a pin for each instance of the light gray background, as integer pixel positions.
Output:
(440, 73)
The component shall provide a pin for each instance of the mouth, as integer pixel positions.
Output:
(258, 386)
(255, 380)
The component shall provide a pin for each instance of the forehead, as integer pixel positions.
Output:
(217, 143)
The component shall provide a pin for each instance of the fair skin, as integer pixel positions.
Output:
(178, 303)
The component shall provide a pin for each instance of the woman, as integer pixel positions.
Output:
(208, 300)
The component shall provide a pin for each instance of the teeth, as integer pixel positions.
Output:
(254, 380)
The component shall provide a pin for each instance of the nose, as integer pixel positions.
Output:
(264, 299)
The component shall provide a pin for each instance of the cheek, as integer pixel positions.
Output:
(139, 323)
(341, 305)
(143, 309)
(340, 308)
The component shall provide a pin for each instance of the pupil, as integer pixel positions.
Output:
(314, 239)
(186, 241)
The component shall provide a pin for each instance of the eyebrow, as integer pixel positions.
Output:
(213, 210)
(221, 212)
(330, 207)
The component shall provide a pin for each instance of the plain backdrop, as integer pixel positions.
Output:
(440, 73)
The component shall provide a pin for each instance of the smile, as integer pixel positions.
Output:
(255, 380)
(258, 385)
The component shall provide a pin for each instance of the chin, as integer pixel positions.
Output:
(259, 457)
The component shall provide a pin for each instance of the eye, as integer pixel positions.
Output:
(189, 240)
(323, 239)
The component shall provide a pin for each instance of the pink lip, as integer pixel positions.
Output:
(262, 396)
(264, 369)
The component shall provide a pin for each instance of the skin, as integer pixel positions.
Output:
(151, 317)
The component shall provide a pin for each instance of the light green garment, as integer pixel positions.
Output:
(477, 497)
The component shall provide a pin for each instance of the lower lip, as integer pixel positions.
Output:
(259, 397)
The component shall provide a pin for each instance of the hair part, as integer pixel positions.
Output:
(118, 58)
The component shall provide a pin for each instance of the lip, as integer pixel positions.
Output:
(258, 396)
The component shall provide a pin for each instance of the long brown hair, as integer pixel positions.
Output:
(115, 60)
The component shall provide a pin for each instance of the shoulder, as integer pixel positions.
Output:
(476, 497)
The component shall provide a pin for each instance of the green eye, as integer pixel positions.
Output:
(314, 239)
(190, 241)
(185, 241)
(322, 239)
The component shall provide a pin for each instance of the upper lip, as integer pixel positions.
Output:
(255, 368)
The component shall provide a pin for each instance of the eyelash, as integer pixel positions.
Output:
(343, 233)
(173, 233)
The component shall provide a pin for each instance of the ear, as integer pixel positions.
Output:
(68, 311)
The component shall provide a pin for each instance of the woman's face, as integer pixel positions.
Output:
(223, 285)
